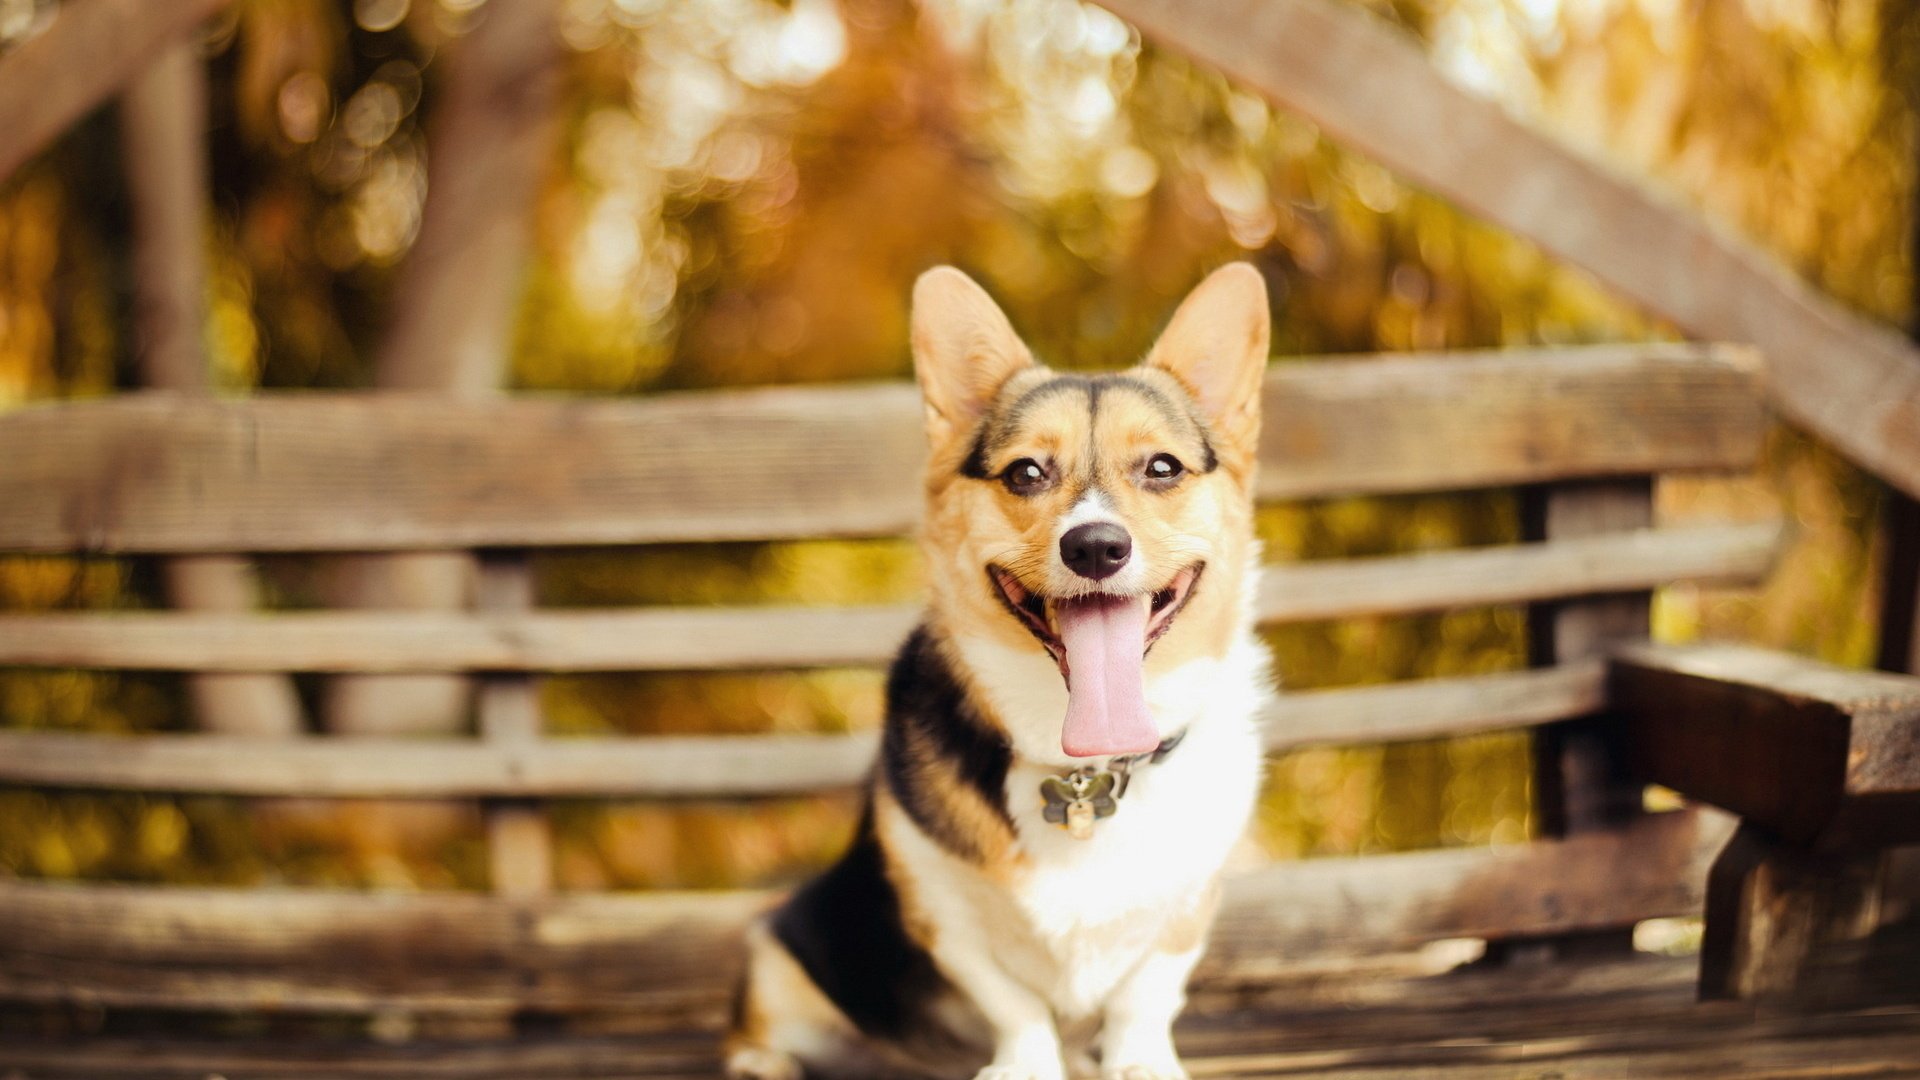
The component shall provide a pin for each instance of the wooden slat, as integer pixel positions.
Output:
(92, 49)
(797, 637)
(1583, 566)
(1817, 753)
(1372, 88)
(152, 473)
(676, 953)
(658, 639)
(1433, 708)
(375, 767)
(702, 766)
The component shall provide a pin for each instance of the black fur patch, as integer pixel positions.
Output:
(845, 930)
(975, 467)
(932, 730)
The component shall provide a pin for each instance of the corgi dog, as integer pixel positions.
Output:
(1070, 749)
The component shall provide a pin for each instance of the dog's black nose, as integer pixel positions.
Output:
(1096, 550)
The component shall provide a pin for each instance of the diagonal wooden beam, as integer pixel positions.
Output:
(92, 49)
(1851, 381)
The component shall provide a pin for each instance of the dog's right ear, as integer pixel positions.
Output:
(964, 350)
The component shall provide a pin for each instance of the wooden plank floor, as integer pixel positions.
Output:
(1625, 1018)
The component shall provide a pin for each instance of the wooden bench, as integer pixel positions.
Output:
(1821, 765)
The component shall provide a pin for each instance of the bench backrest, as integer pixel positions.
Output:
(152, 474)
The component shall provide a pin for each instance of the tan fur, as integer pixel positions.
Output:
(968, 895)
(1207, 518)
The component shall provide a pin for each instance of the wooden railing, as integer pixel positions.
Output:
(161, 475)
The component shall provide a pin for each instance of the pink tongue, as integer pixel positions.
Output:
(1106, 639)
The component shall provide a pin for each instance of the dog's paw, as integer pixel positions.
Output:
(759, 1063)
(1144, 1072)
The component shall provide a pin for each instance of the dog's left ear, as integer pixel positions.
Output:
(1216, 346)
(964, 350)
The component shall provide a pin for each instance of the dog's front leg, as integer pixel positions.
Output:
(1136, 1039)
(1026, 1045)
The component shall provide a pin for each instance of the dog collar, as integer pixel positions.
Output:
(1075, 800)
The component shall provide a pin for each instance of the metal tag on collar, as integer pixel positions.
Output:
(1078, 799)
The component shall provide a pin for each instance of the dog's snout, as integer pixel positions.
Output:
(1096, 550)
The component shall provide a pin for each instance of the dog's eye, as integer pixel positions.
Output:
(1024, 477)
(1164, 467)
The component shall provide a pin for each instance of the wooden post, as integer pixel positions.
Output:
(1772, 908)
(519, 838)
(1580, 772)
(163, 137)
(488, 148)
(1581, 780)
(1900, 584)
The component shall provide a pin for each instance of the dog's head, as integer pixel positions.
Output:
(1103, 521)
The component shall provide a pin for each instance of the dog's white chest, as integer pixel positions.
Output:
(1095, 906)
(1080, 914)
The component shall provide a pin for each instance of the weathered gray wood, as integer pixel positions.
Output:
(1378, 1018)
(1772, 910)
(690, 766)
(1819, 754)
(519, 835)
(1435, 708)
(163, 122)
(1579, 769)
(1372, 88)
(1580, 780)
(674, 953)
(1657, 1038)
(1625, 1020)
(490, 140)
(93, 48)
(1569, 566)
(723, 638)
(345, 472)
(375, 767)
(656, 639)
(1598, 880)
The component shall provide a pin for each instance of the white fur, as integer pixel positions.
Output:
(1073, 935)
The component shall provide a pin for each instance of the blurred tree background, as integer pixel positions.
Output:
(741, 194)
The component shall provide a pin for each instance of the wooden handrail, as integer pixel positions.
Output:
(92, 49)
(305, 472)
(1372, 88)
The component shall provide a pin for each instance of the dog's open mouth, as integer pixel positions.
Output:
(1100, 642)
